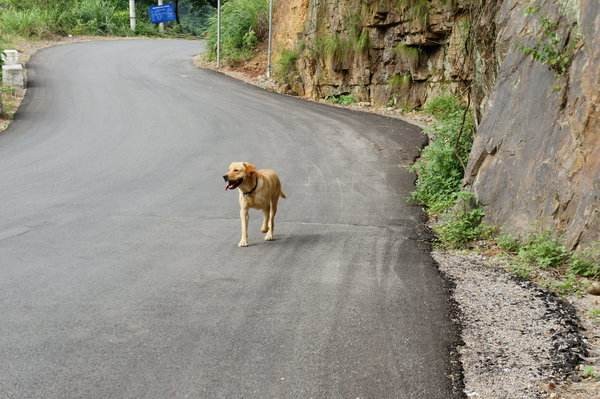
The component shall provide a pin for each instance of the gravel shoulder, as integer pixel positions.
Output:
(519, 341)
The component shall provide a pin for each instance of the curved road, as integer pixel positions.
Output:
(120, 275)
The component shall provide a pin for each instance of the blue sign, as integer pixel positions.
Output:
(164, 13)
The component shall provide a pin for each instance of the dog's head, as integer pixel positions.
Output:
(236, 174)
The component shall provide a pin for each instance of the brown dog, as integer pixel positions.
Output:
(259, 189)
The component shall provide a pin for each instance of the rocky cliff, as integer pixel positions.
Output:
(535, 162)
(396, 52)
(529, 68)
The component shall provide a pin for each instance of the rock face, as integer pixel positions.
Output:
(535, 163)
(397, 52)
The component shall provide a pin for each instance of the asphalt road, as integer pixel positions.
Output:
(120, 275)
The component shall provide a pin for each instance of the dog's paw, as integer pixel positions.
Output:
(269, 237)
(243, 243)
(264, 229)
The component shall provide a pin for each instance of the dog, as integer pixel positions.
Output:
(259, 189)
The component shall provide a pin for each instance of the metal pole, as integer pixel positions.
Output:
(218, 34)
(269, 50)
(161, 26)
(132, 14)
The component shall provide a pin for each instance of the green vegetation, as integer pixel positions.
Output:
(543, 258)
(408, 54)
(462, 224)
(543, 250)
(590, 372)
(285, 66)
(552, 49)
(458, 217)
(442, 164)
(417, 10)
(594, 314)
(244, 23)
(586, 263)
(342, 99)
(335, 48)
(400, 81)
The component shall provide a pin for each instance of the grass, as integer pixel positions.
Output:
(285, 66)
(541, 257)
(244, 23)
(342, 99)
(417, 10)
(590, 373)
(442, 163)
(594, 314)
(408, 54)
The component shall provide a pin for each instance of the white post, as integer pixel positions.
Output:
(132, 14)
(269, 49)
(161, 26)
(218, 34)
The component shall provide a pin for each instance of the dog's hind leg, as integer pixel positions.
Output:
(265, 224)
(272, 212)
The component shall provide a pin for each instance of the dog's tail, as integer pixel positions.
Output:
(282, 194)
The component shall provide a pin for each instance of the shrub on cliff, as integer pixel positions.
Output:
(441, 166)
(244, 23)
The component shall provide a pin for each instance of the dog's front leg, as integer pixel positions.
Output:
(244, 220)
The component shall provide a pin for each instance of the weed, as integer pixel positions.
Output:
(285, 66)
(440, 168)
(567, 286)
(552, 50)
(586, 263)
(544, 251)
(508, 243)
(415, 9)
(408, 54)
(462, 224)
(521, 270)
(342, 99)
(400, 81)
(594, 314)
(590, 372)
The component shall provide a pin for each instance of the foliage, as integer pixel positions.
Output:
(508, 243)
(462, 224)
(544, 251)
(567, 286)
(417, 10)
(285, 66)
(400, 81)
(408, 54)
(244, 23)
(342, 99)
(441, 166)
(594, 314)
(586, 263)
(590, 372)
(552, 49)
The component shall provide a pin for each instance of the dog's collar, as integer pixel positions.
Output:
(253, 190)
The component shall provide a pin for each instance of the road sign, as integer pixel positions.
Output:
(164, 13)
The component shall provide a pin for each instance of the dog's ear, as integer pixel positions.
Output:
(249, 168)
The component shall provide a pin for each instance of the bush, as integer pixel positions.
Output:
(243, 26)
(342, 99)
(440, 168)
(462, 224)
(508, 243)
(586, 263)
(544, 251)
(285, 66)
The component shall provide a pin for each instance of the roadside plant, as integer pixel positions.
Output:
(586, 263)
(544, 251)
(463, 223)
(342, 99)
(508, 243)
(441, 167)
(285, 66)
